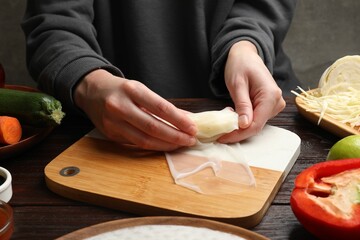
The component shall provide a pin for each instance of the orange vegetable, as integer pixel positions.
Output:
(10, 130)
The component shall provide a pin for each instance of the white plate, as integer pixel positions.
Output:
(161, 228)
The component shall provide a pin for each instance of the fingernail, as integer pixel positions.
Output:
(192, 141)
(193, 130)
(243, 121)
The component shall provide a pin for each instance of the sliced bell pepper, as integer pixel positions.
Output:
(326, 199)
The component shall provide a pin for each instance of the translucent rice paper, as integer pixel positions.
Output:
(210, 167)
(165, 232)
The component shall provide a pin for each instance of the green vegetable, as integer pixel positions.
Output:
(31, 108)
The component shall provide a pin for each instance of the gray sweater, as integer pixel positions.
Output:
(176, 47)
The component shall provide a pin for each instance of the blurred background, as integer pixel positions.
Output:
(322, 31)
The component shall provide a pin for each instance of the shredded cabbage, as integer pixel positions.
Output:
(343, 106)
(338, 94)
(343, 74)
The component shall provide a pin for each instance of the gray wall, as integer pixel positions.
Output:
(12, 48)
(322, 31)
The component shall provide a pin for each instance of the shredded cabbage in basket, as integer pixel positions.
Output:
(338, 95)
(343, 107)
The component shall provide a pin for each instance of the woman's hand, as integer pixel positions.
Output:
(256, 96)
(124, 111)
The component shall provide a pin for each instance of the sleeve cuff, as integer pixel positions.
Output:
(217, 81)
(72, 73)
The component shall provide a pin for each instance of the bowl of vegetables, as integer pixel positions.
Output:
(26, 117)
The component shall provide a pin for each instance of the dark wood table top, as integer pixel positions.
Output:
(41, 214)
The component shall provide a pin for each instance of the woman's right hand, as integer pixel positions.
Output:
(124, 111)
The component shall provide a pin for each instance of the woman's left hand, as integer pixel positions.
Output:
(255, 94)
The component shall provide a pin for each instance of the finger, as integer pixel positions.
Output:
(120, 110)
(262, 113)
(164, 109)
(241, 134)
(162, 130)
(243, 105)
(125, 133)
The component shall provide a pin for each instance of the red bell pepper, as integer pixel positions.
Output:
(326, 202)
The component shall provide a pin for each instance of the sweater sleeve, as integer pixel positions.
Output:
(264, 23)
(61, 46)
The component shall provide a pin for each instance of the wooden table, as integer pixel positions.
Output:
(41, 214)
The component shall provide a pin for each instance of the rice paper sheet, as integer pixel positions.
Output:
(210, 167)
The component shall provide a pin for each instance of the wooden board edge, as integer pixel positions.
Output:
(140, 208)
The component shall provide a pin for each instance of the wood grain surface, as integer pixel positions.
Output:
(143, 185)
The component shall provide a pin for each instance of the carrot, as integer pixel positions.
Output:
(10, 130)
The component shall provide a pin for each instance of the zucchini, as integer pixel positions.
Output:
(31, 108)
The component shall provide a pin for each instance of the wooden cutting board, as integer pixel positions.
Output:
(99, 172)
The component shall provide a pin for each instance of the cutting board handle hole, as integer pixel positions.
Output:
(69, 171)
